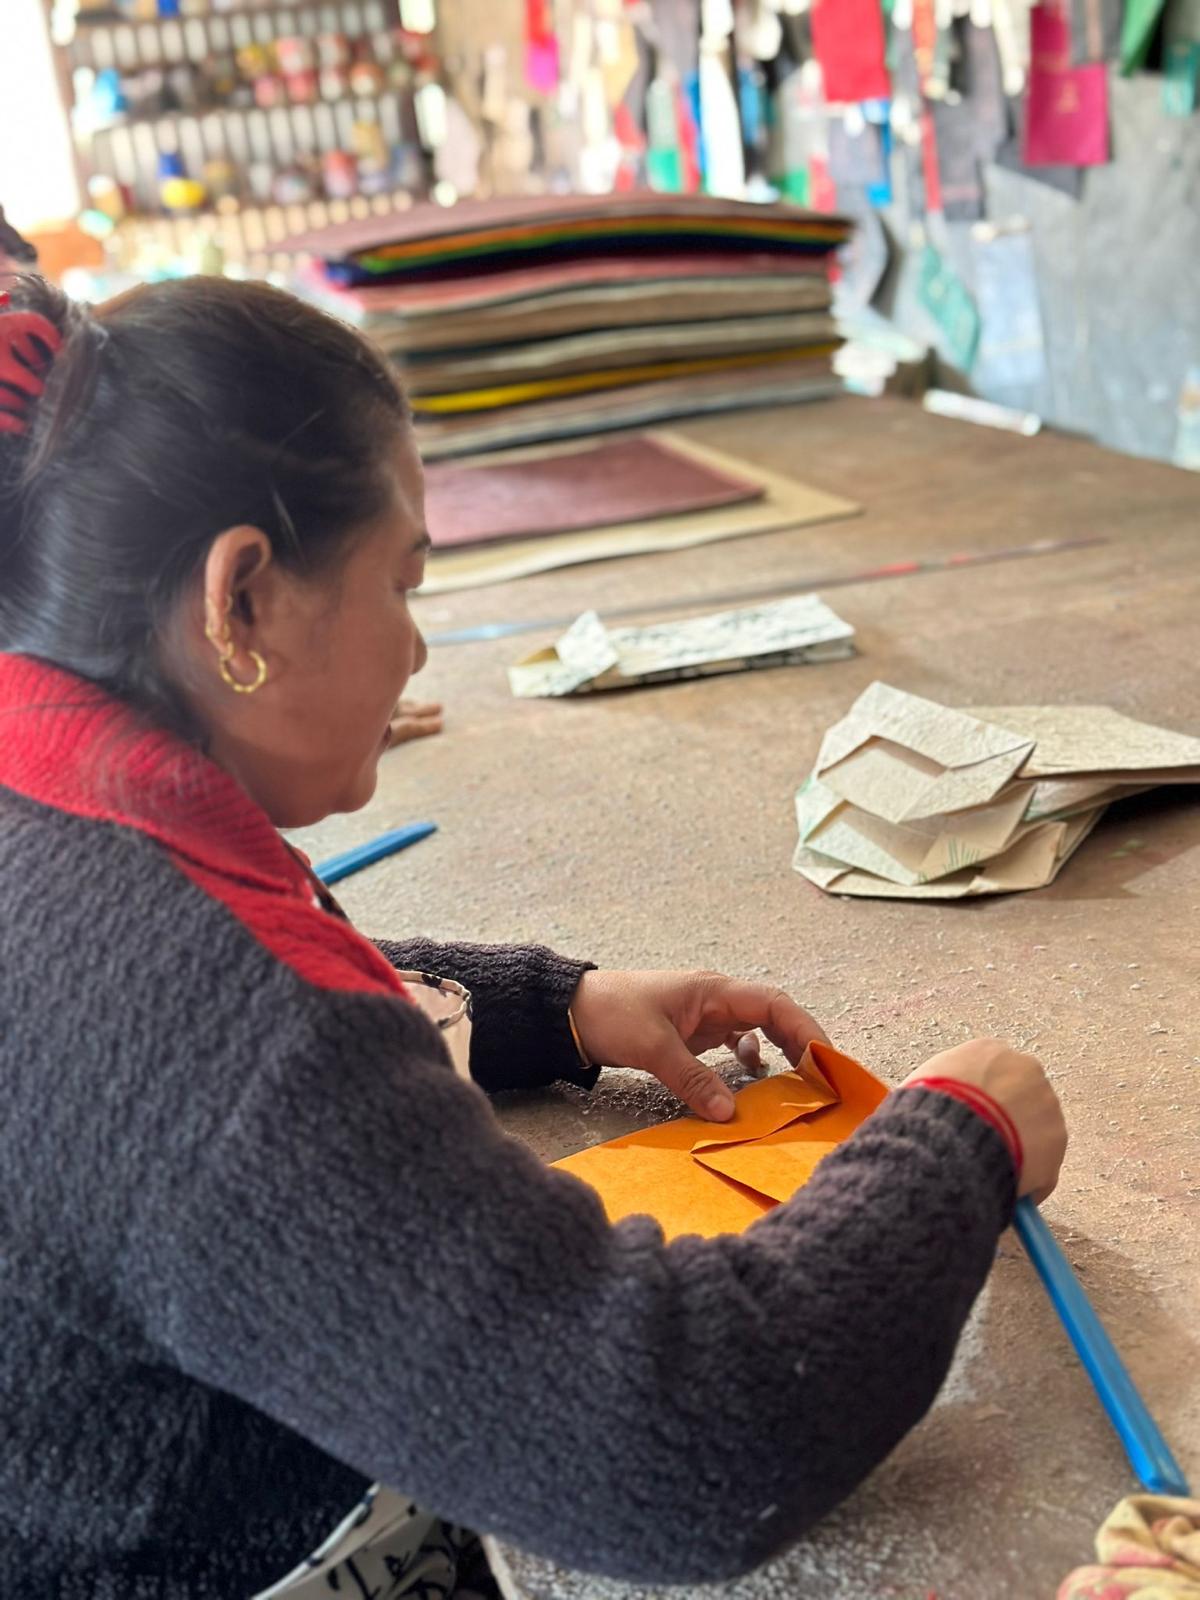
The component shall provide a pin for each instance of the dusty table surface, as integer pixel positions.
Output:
(656, 828)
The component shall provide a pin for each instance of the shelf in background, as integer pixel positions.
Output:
(250, 235)
(88, 22)
(171, 118)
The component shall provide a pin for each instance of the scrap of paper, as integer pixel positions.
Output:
(858, 157)
(1181, 57)
(1011, 354)
(1137, 33)
(865, 264)
(1010, 19)
(948, 301)
(1181, 69)
(590, 657)
(971, 125)
(1066, 180)
(541, 47)
(848, 41)
(1095, 30)
(1066, 108)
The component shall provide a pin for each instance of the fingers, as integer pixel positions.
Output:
(413, 721)
(759, 1005)
(691, 1081)
(748, 1049)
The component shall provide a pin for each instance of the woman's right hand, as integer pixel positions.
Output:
(1019, 1083)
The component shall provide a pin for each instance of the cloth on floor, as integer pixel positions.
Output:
(1148, 1548)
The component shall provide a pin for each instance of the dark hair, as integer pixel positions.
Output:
(171, 413)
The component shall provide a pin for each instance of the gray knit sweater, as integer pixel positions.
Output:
(259, 1246)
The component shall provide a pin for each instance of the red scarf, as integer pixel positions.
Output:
(66, 744)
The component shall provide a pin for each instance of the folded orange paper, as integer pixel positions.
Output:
(710, 1178)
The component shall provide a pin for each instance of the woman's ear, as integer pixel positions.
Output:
(239, 571)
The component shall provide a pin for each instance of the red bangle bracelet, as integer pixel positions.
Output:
(972, 1092)
(984, 1106)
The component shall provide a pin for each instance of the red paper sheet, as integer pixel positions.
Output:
(930, 169)
(848, 42)
(626, 480)
(1066, 107)
(924, 36)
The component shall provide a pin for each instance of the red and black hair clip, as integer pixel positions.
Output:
(28, 346)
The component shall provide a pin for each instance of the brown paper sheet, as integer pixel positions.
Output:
(580, 353)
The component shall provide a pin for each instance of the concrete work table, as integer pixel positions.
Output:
(656, 829)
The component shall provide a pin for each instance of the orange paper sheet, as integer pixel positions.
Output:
(709, 1178)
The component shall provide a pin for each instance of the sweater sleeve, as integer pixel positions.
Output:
(520, 993)
(362, 1254)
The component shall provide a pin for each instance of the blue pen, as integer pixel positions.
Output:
(364, 855)
(1149, 1454)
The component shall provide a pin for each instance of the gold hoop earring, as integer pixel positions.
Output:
(260, 673)
(223, 644)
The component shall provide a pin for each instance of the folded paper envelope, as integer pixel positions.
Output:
(902, 758)
(590, 657)
(1063, 797)
(1035, 859)
(708, 1178)
(915, 852)
(1075, 740)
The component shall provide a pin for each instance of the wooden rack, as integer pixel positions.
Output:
(257, 142)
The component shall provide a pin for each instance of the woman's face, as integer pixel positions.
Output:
(338, 651)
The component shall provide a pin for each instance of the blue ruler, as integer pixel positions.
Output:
(1149, 1453)
(365, 855)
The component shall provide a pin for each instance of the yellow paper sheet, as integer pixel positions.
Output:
(708, 1178)
(512, 394)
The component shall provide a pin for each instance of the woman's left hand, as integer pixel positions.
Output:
(411, 720)
(659, 1022)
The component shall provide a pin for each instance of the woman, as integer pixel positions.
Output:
(262, 1246)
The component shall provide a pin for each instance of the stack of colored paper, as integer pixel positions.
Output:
(547, 317)
(913, 800)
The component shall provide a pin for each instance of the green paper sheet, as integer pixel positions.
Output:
(1137, 33)
(1181, 70)
(948, 301)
